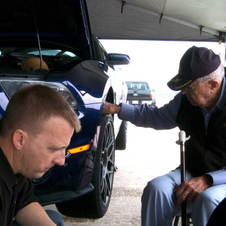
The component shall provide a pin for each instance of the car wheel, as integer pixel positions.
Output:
(95, 204)
(122, 137)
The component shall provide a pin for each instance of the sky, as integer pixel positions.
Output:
(153, 61)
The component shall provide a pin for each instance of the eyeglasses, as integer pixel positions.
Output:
(190, 88)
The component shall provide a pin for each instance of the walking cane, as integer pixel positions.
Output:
(181, 142)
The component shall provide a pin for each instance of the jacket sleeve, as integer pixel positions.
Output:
(26, 195)
(152, 116)
(218, 176)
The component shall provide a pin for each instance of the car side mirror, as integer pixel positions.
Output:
(117, 59)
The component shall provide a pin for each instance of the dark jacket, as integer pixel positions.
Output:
(206, 149)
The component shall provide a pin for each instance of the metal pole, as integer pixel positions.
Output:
(182, 139)
(181, 142)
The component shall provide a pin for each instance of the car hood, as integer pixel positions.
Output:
(62, 23)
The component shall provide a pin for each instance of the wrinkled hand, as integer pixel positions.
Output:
(111, 108)
(191, 189)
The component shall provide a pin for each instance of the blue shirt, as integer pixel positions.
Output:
(165, 118)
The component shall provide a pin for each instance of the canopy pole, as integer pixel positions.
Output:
(160, 19)
(123, 3)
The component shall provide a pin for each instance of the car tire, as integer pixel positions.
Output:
(95, 203)
(122, 137)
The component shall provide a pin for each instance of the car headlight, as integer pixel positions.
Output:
(11, 86)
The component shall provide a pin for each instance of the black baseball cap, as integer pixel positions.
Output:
(195, 63)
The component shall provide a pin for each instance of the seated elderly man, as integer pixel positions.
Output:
(199, 110)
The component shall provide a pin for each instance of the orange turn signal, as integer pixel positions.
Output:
(79, 149)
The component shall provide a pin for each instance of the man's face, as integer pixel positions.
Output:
(42, 151)
(199, 94)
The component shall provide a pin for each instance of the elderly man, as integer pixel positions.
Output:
(35, 130)
(199, 110)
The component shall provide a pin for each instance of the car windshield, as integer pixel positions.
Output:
(35, 52)
(12, 58)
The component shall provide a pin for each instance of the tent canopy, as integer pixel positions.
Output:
(185, 20)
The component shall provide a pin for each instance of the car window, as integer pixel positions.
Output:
(137, 85)
(101, 53)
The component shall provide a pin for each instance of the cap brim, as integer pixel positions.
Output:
(179, 82)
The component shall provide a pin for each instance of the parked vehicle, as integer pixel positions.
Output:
(50, 43)
(139, 92)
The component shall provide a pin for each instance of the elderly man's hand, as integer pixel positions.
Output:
(191, 189)
(111, 108)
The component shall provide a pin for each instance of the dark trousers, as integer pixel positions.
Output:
(218, 217)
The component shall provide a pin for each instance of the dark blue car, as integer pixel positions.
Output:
(50, 42)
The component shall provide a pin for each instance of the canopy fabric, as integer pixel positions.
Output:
(185, 20)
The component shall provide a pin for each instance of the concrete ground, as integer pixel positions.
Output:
(149, 153)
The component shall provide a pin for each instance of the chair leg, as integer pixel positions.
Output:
(188, 220)
(176, 221)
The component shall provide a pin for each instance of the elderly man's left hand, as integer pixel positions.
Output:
(111, 108)
(191, 189)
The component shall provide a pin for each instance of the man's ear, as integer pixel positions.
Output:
(214, 84)
(18, 136)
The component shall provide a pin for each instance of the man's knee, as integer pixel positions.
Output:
(157, 186)
(206, 198)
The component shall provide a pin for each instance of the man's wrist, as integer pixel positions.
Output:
(118, 108)
(208, 180)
